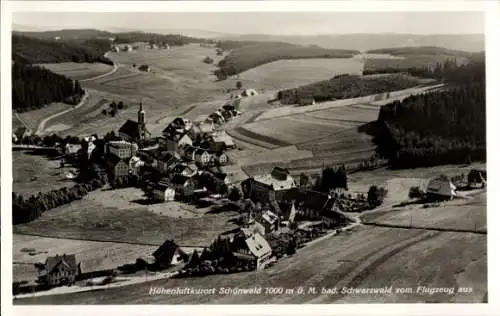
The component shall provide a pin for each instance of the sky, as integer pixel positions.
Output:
(276, 23)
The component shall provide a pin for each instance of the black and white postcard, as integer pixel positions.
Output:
(162, 154)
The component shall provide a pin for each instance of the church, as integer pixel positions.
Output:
(135, 131)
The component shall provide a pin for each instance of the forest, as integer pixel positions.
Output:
(33, 87)
(170, 39)
(420, 50)
(30, 50)
(348, 86)
(442, 127)
(252, 55)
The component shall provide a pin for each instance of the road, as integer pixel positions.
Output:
(41, 126)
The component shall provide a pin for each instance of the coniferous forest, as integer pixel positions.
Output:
(34, 87)
(443, 127)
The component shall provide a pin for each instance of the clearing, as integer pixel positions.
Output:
(36, 171)
(78, 71)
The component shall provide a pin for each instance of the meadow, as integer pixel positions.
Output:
(95, 219)
(33, 172)
(78, 71)
(413, 61)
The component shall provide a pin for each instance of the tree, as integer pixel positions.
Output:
(120, 105)
(195, 259)
(239, 84)
(104, 112)
(305, 180)
(376, 195)
(235, 194)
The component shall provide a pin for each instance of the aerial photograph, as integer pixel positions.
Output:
(248, 157)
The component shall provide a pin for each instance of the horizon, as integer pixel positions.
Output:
(269, 23)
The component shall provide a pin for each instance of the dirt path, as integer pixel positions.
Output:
(41, 126)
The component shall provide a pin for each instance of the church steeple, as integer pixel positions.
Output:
(141, 115)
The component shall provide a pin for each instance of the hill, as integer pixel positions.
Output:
(248, 56)
(348, 86)
(67, 34)
(34, 87)
(364, 42)
(420, 50)
(31, 50)
(170, 39)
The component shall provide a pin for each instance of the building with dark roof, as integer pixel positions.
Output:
(58, 270)
(168, 254)
(133, 131)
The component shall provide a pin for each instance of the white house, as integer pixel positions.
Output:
(253, 247)
(441, 188)
(163, 192)
(202, 156)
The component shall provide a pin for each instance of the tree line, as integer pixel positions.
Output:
(30, 50)
(347, 86)
(442, 127)
(162, 39)
(33, 87)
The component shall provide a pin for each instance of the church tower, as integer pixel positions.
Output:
(141, 120)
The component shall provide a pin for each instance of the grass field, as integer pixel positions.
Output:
(366, 257)
(285, 74)
(95, 218)
(92, 255)
(78, 71)
(33, 172)
(35, 117)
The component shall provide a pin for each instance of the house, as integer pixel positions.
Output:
(253, 247)
(221, 138)
(168, 254)
(145, 68)
(122, 149)
(287, 211)
(19, 133)
(189, 152)
(163, 192)
(166, 159)
(178, 126)
(134, 165)
(306, 100)
(177, 141)
(441, 188)
(183, 185)
(117, 168)
(223, 177)
(270, 221)
(133, 131)
(58, 270)
(200, 129)
(202, 157)
(221, 158)
(279, 179)
(477, 177)
(248, 93)
(186, 170)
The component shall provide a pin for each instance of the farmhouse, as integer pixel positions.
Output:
(263, 186)
(189, 153)
(145, 68)
(201, 128)
(252, 247)
(234, 172)
(166, 159)
(133, 131)
(58, 270)
(221, 138)
(178, 126)
(221, 158)
(163, 192)
(441, 188)
(122, 149)
(168, 254)
(306, 100)
(248, 93)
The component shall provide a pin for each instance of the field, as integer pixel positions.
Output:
(33, 172)
(35, 117)
(122, 217)
(78, 71)
(93, 255)
(366, 258)
(285, 74)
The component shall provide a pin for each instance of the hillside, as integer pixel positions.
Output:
(442, 127)
(34, 87)
(67, 34)
(420, 50)
(170, 39)
(364, 42)
(348, 86)
(32, 50)
(252, 55)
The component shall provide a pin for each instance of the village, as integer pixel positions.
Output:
(189, 162)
